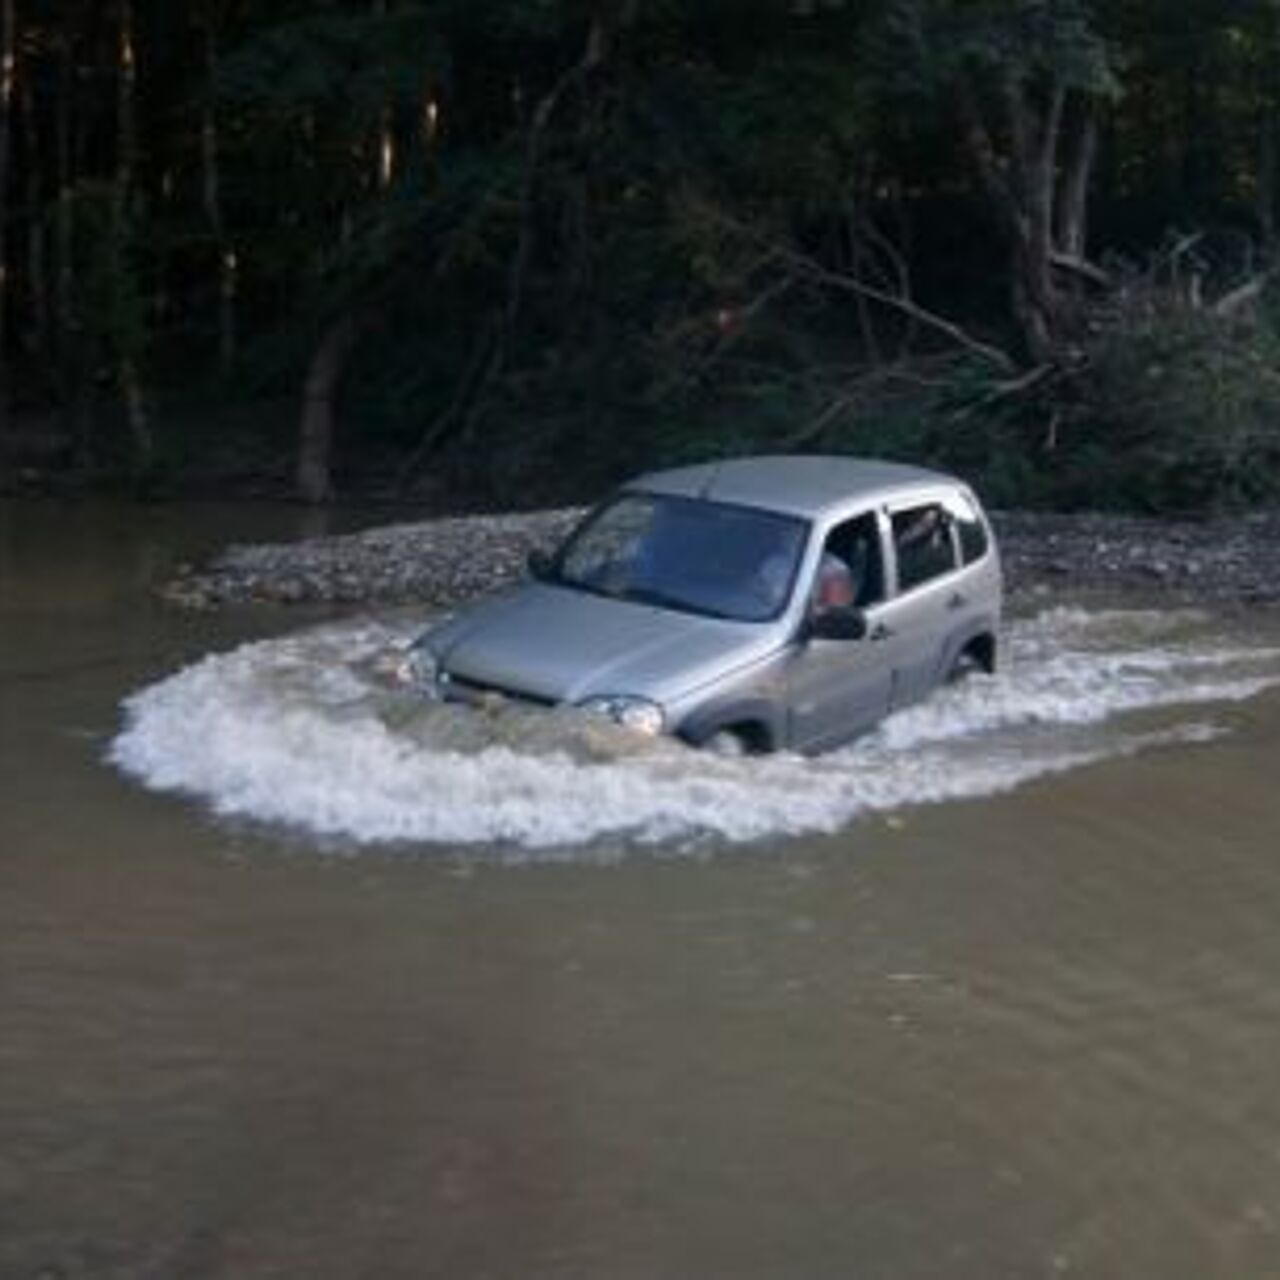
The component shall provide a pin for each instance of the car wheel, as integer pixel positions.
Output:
(726, 743)
(965, 665)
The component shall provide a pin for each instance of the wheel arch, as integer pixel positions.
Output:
(760, 722)
(979, 641)
(984, 649)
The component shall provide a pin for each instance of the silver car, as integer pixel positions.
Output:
(749, 605)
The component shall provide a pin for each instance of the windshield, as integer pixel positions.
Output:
(702, 557)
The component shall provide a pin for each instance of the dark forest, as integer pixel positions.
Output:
(506, 251)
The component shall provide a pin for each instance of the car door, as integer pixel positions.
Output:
(928, 604)
(839, 688)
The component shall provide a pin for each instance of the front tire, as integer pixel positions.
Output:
(727, 744)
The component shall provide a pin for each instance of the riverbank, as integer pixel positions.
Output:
(440, 562)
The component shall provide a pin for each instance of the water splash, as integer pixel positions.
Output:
(304, 732)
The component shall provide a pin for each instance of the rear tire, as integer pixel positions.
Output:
(966, 664)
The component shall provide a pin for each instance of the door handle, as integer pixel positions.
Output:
(880, 632)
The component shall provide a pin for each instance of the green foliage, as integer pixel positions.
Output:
(1171, 409)
(1179, 410)
(935, 40)
(358, 61)
(625, 257)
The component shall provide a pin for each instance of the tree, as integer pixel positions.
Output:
(224, 248)
(8, 80)
(1027, 77)
(126, 322)
(342, 81)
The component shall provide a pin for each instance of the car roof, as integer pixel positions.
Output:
(804, 485)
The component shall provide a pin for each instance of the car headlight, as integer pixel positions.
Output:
(631, 713)
(419, 668)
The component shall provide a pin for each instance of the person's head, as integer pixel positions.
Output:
(834, 587)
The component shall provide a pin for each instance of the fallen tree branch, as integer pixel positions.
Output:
(1012, 387)
(1080, 267)
(927, 319)
(808, 267)
(1181, 248)
(1016, 385)
(817, 425)
(1236, 300)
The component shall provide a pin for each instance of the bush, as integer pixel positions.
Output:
(1163, 407)
(1174, 408)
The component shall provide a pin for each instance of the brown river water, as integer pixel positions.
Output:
(287, 1011)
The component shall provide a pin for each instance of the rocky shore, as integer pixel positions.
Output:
(1229, 561)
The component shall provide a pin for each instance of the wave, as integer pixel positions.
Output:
(303, 731)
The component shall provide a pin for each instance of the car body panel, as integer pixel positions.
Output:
(836, 689)
(811, 486)
(556, 644)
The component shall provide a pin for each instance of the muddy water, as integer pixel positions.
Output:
(1033, 1033)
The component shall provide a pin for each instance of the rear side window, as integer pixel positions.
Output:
(973, 533)
(923, 543)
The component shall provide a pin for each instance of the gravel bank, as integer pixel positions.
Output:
(435, 562)
(441, 562)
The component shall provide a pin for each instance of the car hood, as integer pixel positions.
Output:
(562, 645)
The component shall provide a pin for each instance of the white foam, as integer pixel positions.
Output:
(301, 731)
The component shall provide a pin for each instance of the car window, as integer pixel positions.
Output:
(602, 553)
(923, 544)
(689, 554)
(852, 562)
(973, 533)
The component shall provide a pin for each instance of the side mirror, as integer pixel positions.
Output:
(838, 624)
(540, 564)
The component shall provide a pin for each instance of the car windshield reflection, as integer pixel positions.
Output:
(691, 555)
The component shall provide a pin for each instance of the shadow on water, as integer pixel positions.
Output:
(1031, 1035)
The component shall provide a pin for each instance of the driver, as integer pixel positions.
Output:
(833, 588)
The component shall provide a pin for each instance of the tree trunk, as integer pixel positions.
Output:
(138, 417)
(37, 327)
(228, 263)
(1073, 201)
(126, 101)
(385, 140)
(8, 64)
(75, 357)
(1035, 293)
(314, 477)
(1034, 202)
(126, 341)
(63, 240)
(1266, 196)
(1034, 305)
